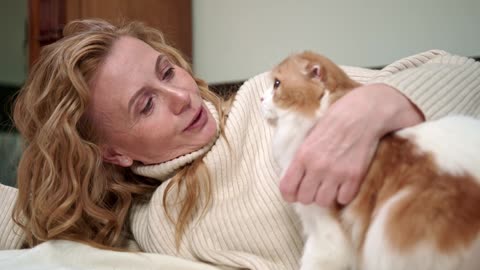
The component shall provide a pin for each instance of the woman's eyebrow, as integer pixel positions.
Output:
(158, 62)
(142, 90)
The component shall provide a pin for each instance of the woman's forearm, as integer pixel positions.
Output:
(395, 111)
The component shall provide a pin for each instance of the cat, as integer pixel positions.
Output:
(419, 204)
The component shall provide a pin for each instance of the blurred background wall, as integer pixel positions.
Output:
(230, 40)
(233, 40)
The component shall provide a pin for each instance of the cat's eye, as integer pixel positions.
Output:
(276, 84)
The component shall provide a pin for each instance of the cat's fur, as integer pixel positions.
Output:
(419, 204)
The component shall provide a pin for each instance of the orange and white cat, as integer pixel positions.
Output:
(419, 204)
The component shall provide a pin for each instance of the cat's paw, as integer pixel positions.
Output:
(326, 258)
(324, 264)
(269, 113)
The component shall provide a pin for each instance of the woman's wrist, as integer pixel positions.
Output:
(395, 110)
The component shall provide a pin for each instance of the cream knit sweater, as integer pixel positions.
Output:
(248, 224)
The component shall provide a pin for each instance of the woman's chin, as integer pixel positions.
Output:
(210, 129)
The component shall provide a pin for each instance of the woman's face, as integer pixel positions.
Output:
(147, 108)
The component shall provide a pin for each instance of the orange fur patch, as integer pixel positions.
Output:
(441, 209)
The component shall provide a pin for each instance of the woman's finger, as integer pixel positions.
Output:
(308, 188)
(347, 191)
(291, 180)
(327, 193)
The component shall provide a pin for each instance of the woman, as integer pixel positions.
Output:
(107, 101)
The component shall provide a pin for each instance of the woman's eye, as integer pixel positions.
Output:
(148, 107)
(168, 74)
(276, 84)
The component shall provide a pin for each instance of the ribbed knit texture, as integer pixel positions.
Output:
(445, 84)
(10, 234)
(248, 225)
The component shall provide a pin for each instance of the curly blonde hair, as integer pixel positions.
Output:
(66, 191)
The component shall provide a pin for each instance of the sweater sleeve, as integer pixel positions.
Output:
(11, 236)
(437, 82)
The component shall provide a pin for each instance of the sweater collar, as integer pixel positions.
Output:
(165, 170)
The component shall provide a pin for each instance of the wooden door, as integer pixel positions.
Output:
(48, 17)
(172, 17)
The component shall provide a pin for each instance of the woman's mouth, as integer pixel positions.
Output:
(198, 121)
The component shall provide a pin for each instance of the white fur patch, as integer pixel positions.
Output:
(290, 133)
(351, 220)
(378, 254)
(326, 246)
(268, 107)
(454, 142)
(376, 250)
(324, 104)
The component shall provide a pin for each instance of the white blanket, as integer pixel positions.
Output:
(60, 255)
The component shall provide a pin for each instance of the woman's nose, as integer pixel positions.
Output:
(178, 100)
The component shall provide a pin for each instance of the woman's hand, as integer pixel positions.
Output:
(331, 163)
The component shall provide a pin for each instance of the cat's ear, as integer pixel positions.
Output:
(317, 72)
